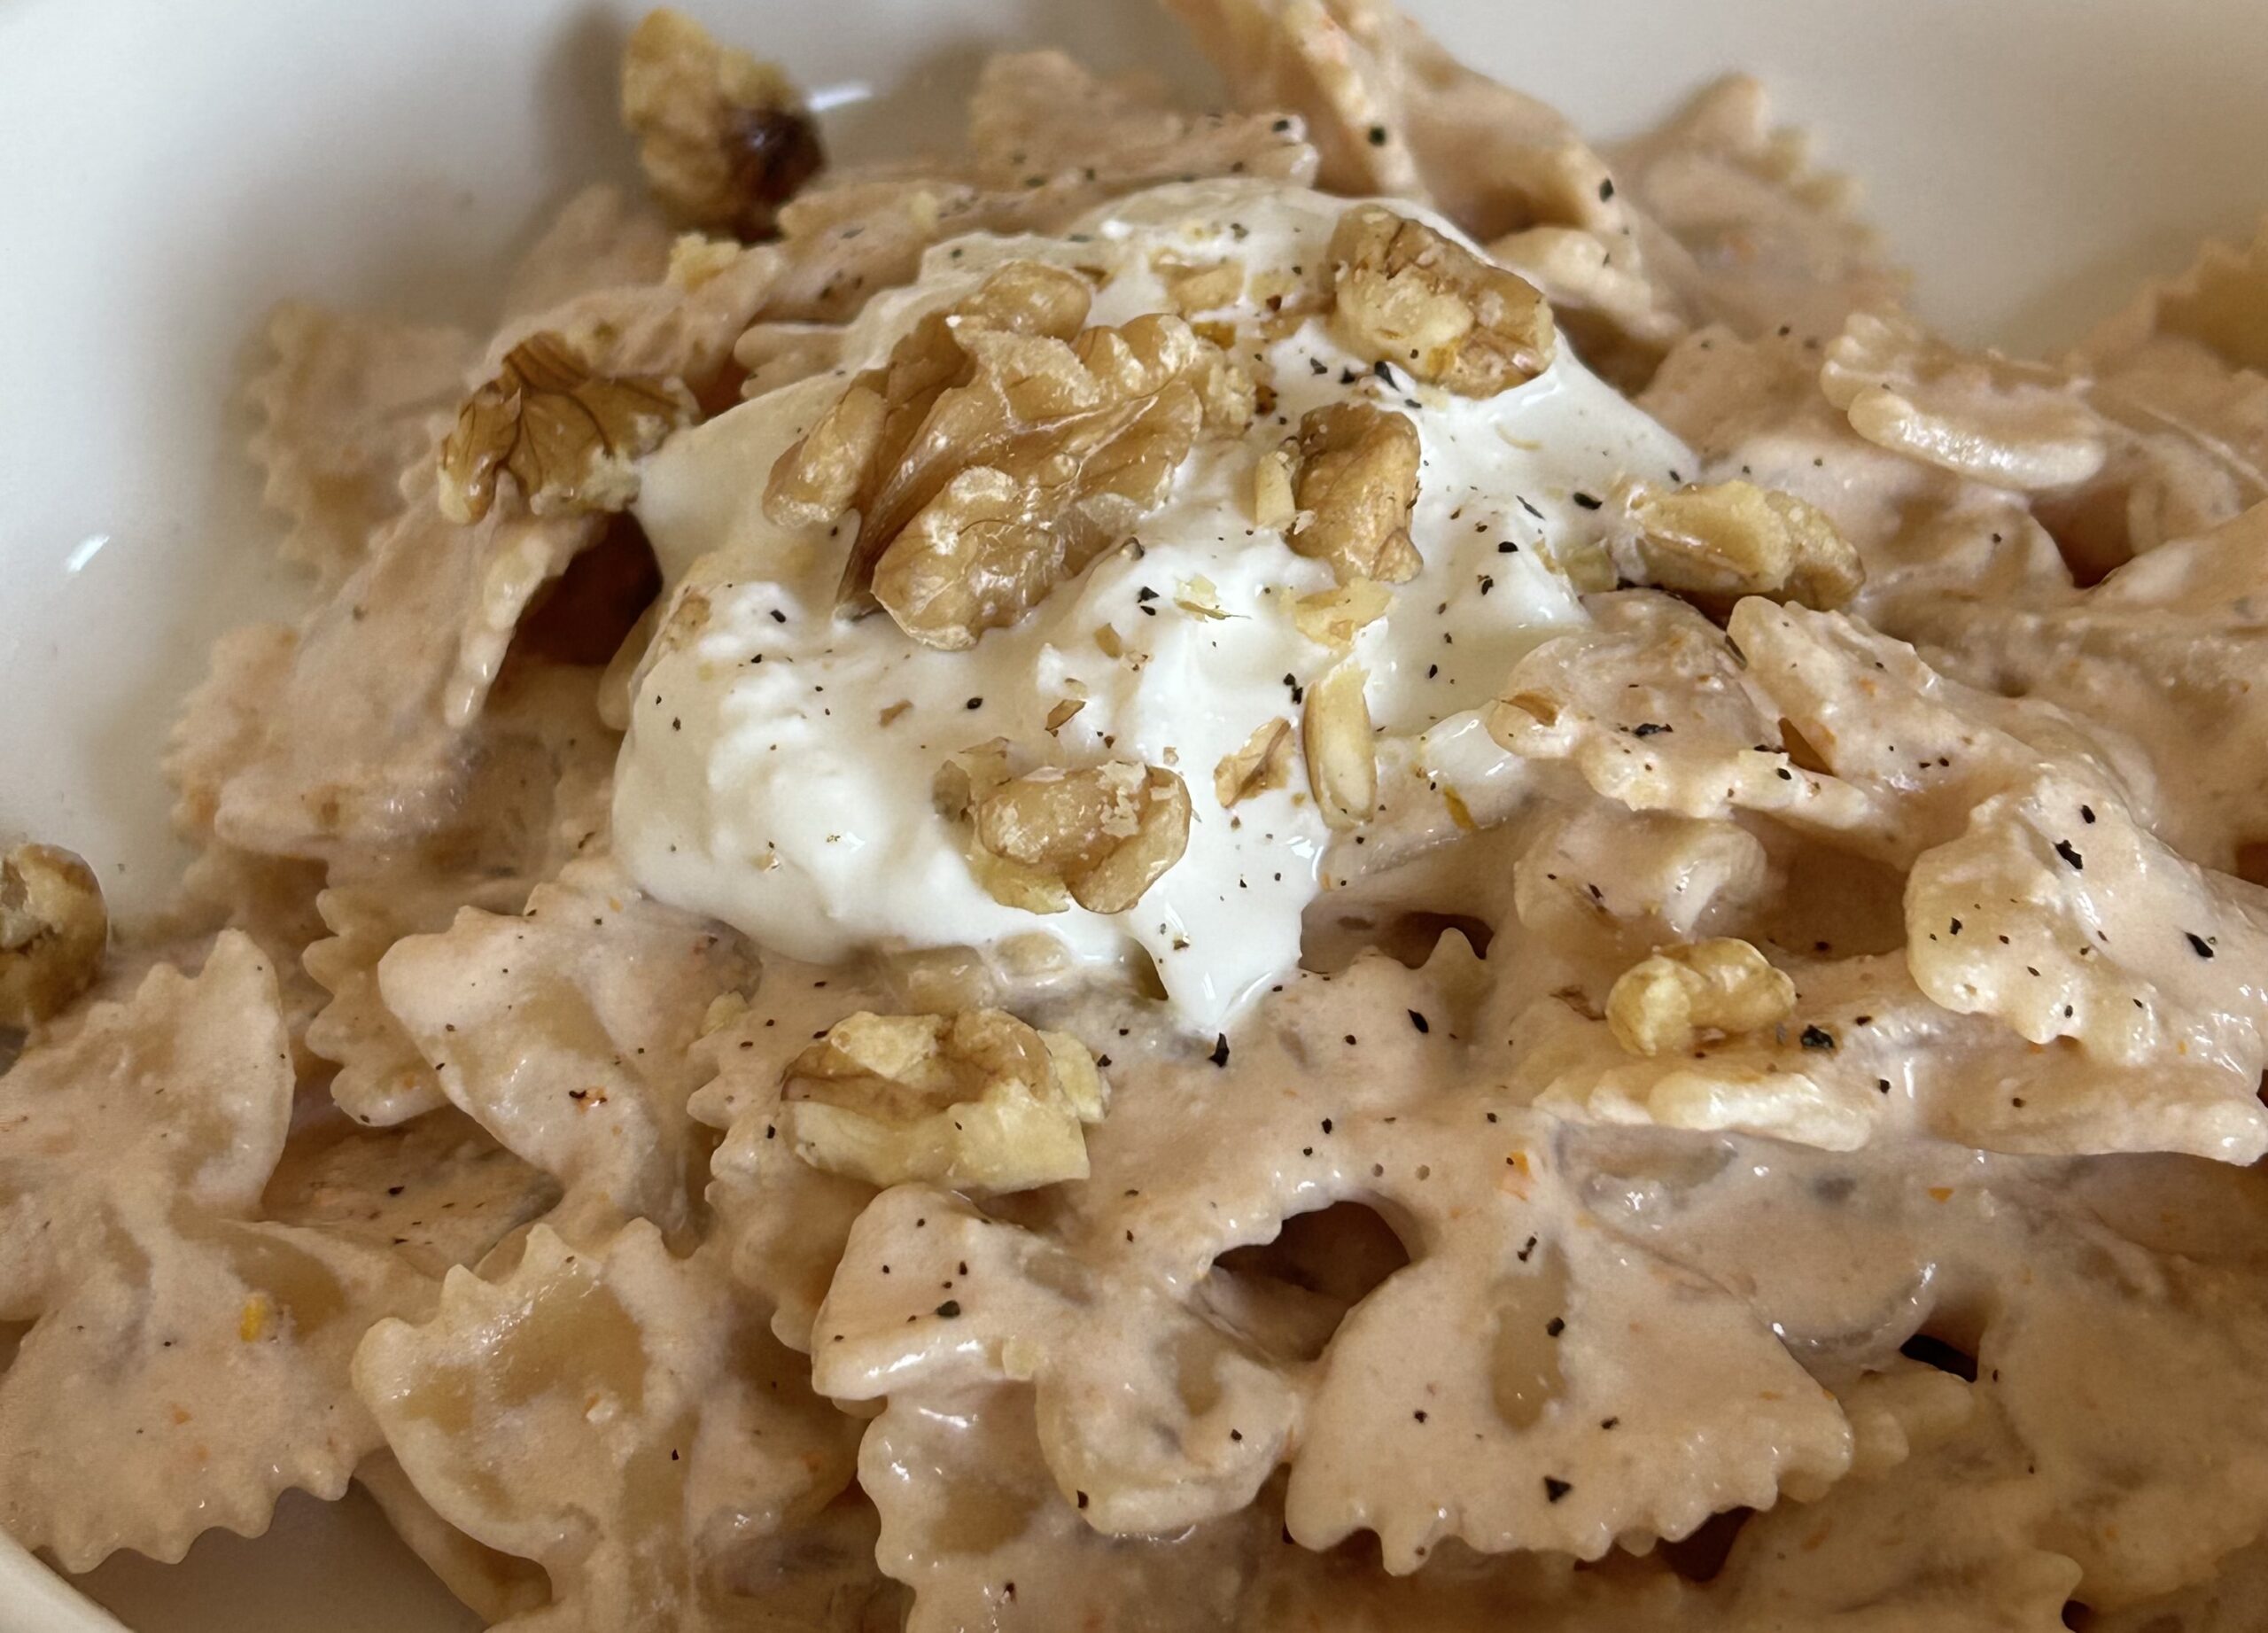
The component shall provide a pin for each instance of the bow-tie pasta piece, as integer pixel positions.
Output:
(565, 1031)
(2150, 1486)
(1652, 707)
(1757, 237)
(436, 1189)
(537, 799)
(1566, 1391)
(1810, 718)
(338, 763)
(968, 1301)
(1923, 745)
(347, 401)
(614, 1414)
(2180, 373)
(1048, 141)
(496, 1587)
(1339, 79)
(269, 897)
(973, 1522)
(2163, 650)
(2234, 1599)
(383, 1077)
(602, 238)
(1608, 885)
(186, 1361)
(1752, 409)
(1960, 1502)
(2060, 914)
(1987, 417)
(2008, 1269)
(1532, 1330)
(1864, 1054)
(1715, 216)
(781, 1222)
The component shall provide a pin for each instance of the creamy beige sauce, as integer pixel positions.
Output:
(1445, 1252)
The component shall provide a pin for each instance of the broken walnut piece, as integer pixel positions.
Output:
(1661, 1004)
(1264, 762)
(1272, 505)
(1203, 288)
(1334, 617)
(1342, 753)
(53, 929)
(724, 138)
(1718, 541)
(1105, 833)
(569, 437)
(977, 1100)
(1409, 297)
(1002, 449)
(1356, 482)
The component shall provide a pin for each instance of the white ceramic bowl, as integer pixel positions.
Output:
(166, 171)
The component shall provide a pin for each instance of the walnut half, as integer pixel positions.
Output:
(1661, 1004)
(1717, 541)
(1104, 834)
(723, 137)
(569, 437)
(977, 1100)
(53, 929)
(1409, 297)
(1355, 484)
(1003, 448)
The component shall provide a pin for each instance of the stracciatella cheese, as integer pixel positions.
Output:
(781, 759)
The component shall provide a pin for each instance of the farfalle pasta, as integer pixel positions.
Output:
(1332, 865)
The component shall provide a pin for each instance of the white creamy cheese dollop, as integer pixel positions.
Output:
(779, 762)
